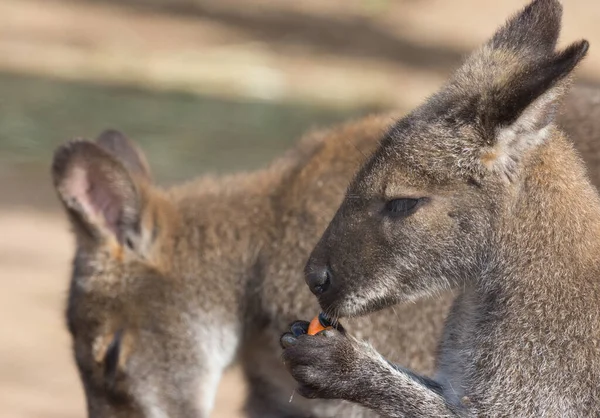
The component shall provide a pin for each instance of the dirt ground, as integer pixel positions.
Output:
(276, 50)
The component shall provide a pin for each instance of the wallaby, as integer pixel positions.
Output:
(169, 287)
(478, 191)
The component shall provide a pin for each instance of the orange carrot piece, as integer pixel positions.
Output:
(315, 326)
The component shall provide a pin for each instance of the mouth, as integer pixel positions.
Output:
(355, 305)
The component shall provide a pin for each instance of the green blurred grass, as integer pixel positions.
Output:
(182, 134)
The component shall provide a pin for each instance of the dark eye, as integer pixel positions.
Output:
(111, 358)
(129, 243)
(402, 207)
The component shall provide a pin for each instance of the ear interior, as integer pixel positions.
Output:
(112, 355)
(126, 151)
(111, 352)
(96, 189)
(509, 100)
(517, 114)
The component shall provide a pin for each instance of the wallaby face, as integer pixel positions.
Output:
(123, 338)
(423, 214)
(134, 338)
(412, 230)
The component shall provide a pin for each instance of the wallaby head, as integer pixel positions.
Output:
(434, 204)
(133, 318)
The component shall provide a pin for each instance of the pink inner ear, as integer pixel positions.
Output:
(92, 191)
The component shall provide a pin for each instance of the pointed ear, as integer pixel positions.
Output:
(532, 31)
(96, 189)
(126, 151)
(515, 115)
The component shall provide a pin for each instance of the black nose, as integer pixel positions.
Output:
(318, 280)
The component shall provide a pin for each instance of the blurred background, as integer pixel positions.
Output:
(203, 86)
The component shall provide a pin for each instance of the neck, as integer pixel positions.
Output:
(224, 224)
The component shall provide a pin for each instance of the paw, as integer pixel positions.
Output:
(325, 365)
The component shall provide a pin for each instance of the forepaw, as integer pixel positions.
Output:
(325, 365)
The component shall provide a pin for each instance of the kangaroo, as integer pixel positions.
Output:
(479, 191)
(171, 286)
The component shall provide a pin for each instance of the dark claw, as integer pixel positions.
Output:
(287, 340)
(299, 328)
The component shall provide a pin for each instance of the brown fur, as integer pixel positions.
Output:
(477, 191)
(216, 265)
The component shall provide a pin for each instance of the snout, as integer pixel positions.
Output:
(318, 278)
(324, 284)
